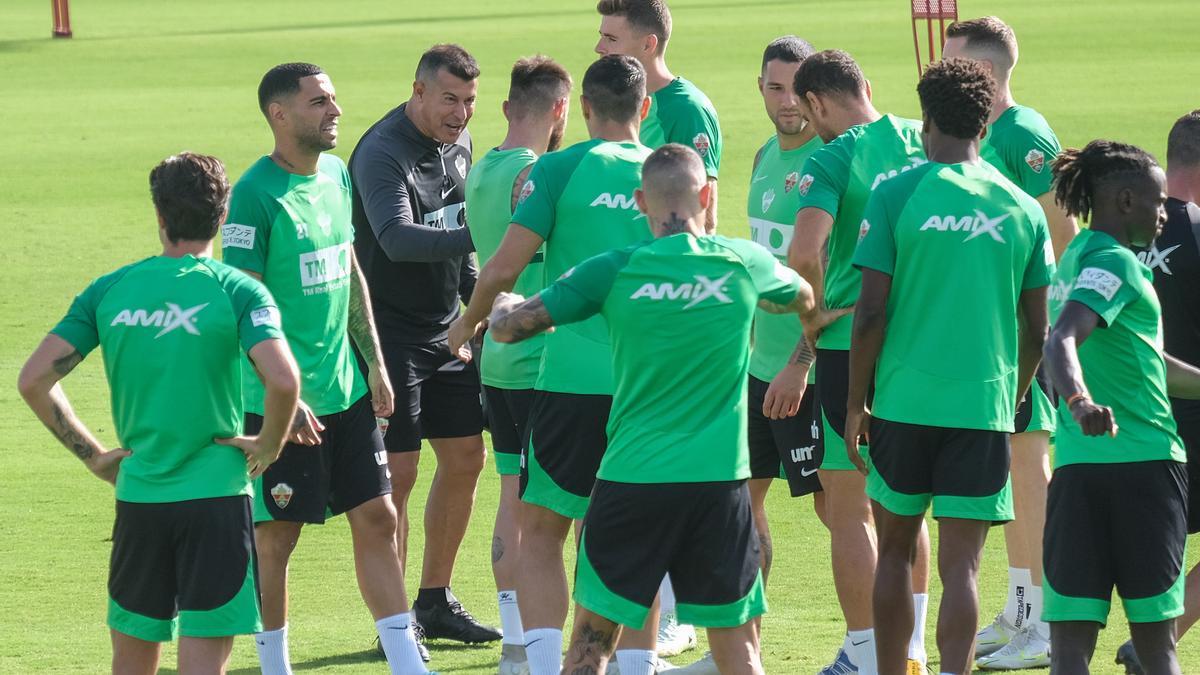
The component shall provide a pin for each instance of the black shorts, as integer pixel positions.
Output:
(1119, 525)
(963, 473)
(184, 568)
(701, 533)
(308, 483)
(437, 395)
(508, 417)
(832, 387)
(568, 434)
(1187, 419)
(795, 443)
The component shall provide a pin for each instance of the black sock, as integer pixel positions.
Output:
(433, 597)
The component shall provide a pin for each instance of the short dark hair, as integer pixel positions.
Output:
(665, 171)
(1183, 143)
(191, 193)
(651, 16)
(789, 49)
(1079, 175)
(536, 83)
(450, 57)
(283, 80)
(987, 33)
(615, 86)
(830, 72)
(957, 94)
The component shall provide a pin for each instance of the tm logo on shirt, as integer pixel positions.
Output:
(169, 320)
(703, 289)
(975, 226)
(321, 269)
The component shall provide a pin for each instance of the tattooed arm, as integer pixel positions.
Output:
(360, 322)
(514, 318)
(52, 361)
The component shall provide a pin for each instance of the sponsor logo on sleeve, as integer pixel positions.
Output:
(702, 143)
(805, 183)
(526, 190)
(237, 236)
(863, 228)
(265, 316)
(789, 181)
(1101, 281)
(1035, 159)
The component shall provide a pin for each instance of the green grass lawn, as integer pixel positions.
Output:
(88, 117)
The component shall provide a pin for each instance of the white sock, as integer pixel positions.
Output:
(862, 646)
(666, 596)
(510, 618)
(916, 643)
(1016, 607)
(635, 661)
(543, 648)
(1035, 610)
(273, 651)
(399, 644)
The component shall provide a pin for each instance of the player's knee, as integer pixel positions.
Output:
(404, 478)
(375, 519)
(276, 541)
(467, 462)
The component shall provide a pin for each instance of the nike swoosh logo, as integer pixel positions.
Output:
(261, 643)
(759, 178)
(397, 627)
(807, 472)
(446, 193)
(530, 644)
(859, 643)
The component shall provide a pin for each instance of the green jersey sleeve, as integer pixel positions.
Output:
(536, 203)
(79, 326)
(247, 230)
(877, 236)
(256, 312)
(1032, 151)
(581, 292)
(701, 131)
(1105, 284)
(826, 175)
(775, 283)
(1040, 269)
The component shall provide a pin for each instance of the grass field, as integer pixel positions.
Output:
(87, 118)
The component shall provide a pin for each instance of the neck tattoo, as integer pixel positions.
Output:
(674, 224)
(279, 158)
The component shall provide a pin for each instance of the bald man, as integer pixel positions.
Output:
(679, 310)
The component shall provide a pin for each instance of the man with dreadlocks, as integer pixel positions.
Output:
(953, 240)
(1117, 509)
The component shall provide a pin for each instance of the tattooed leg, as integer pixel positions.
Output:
(591, 645)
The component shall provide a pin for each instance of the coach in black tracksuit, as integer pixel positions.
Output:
(409, 172)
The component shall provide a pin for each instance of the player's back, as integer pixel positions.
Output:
(839, 178)
(580, 200)
(169, 331)
(489, 208)
(679, 311)
(962, 243)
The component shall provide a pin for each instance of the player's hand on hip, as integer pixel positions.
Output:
(820, 318)
(383, 400)
(858, 424)
(306, 428)
(1094, 420)
(258, 458)
(105, 465)
(785, 392)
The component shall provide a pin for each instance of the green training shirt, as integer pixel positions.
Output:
(961, 243)
(1122, 359)
(773, 202)
(681, 113)
(295, 231)
(489, 211)
(679, 311)
(172, 331)
(1021, 144)
(838, 178)
(580, 200)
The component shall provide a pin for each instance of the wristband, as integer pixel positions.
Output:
(1077, 396)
